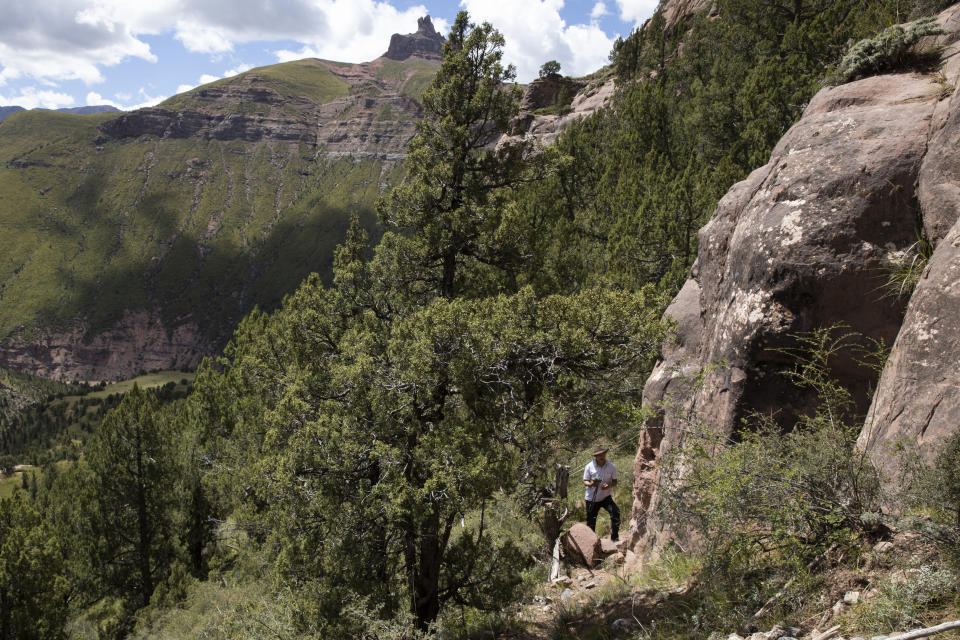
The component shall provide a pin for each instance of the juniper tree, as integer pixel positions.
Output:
(367, 428)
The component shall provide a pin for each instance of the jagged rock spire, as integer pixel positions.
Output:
(425, 43)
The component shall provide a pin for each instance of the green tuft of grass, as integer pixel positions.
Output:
(905, 268)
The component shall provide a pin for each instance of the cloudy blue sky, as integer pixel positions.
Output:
(133, 53)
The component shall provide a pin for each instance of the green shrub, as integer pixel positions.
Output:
(903, 601)
(890, 49)
(775, 501)
(933, 496)
(767, 493)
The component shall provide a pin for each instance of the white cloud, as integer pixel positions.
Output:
(145, 100)
(535, 32)
(54, 40)
(45, 42)
(237, 70)
(363, 31)
(208, 78)
(57, 40)
(95, 99)
(31, 98)
(636, 11)
(201, 39)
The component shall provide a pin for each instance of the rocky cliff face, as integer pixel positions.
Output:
(918, 396)
(138, 342)
(425, 43)
(588, 97)
(351, 124)
(676, 11)
(804, 242)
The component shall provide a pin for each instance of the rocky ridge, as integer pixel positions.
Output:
(804, 242)
(351, 124)
(676, 11)
(588, 97)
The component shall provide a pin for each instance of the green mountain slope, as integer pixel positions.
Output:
(138, 241)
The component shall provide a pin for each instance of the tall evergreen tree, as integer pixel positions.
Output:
(33, 596)
(132, 458)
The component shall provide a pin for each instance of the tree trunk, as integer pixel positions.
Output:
(5, 631)
(555, 512)
(449, 274)
(426, 578)
(143, 528)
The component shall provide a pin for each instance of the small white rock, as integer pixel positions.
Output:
(851, 597)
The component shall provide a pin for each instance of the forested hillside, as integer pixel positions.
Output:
(378, 456)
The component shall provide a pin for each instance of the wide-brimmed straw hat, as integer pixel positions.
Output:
(600, 450)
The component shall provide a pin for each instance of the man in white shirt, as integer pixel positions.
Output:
(599, 477)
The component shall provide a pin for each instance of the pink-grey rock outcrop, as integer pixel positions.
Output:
(805, 242)
(676, 11)
(918, 397)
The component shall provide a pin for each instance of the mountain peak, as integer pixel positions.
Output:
(424, 43)
(425, 27)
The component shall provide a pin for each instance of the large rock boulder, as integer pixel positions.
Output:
(580, 543)
(549, 91)
(802, 243)
(918, 398)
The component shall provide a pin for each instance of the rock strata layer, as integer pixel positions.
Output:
(805, 242)
(226, 196)
(543, 129)
(138, 343)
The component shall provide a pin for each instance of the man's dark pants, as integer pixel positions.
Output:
(593, 509)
